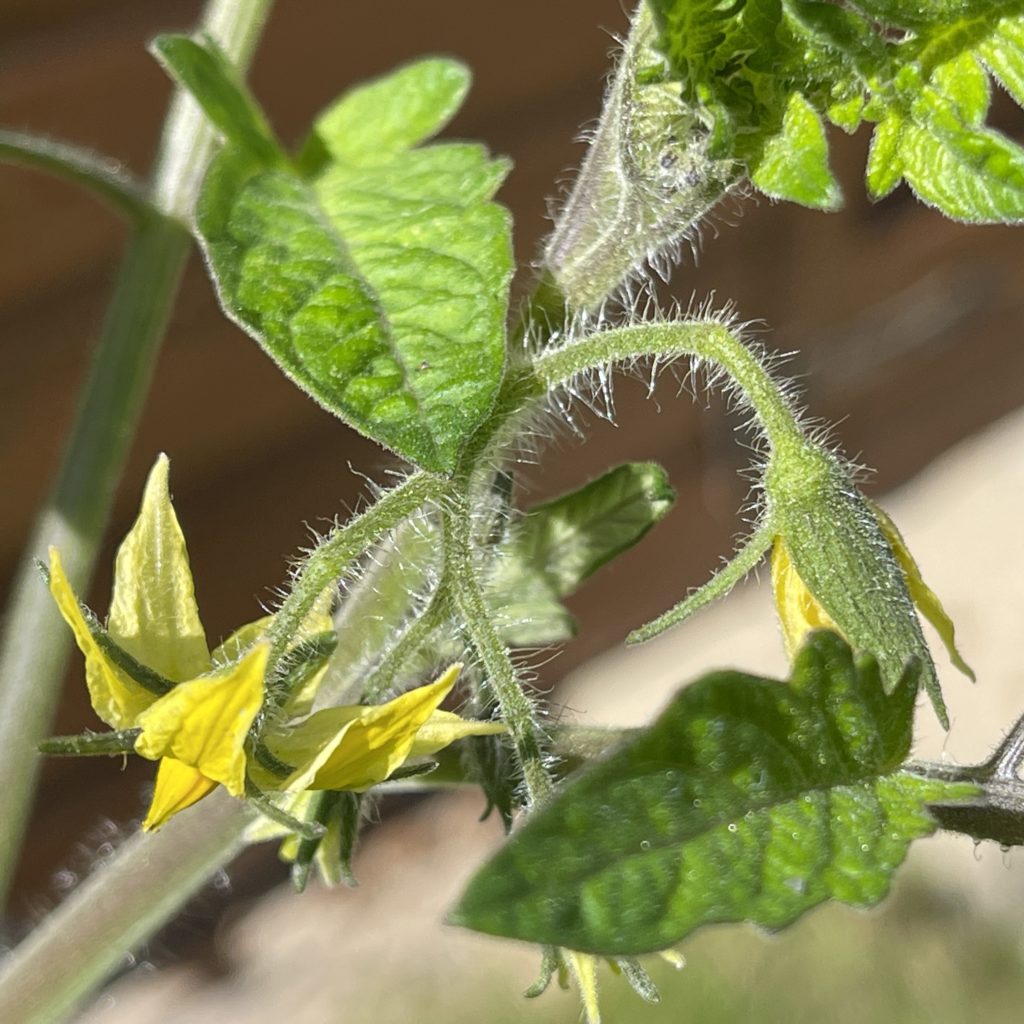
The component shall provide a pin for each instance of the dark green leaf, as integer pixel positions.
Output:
(571, 537)
(747, 799)
(202, 68)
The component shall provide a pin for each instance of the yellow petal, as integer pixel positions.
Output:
(921, 594)
(153, 613)
(115, 696)
(443, 727)
(204, 721)
(178, 785)
(583, 968)
(798, 610)
(357, 747)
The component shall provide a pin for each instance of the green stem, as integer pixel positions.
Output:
(146, 882)
(35, 644)
(332, 558)
(105, 177)
(703, 339)
(517, 709)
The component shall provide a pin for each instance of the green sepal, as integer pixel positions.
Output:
(841, 554)
(749, 554)
(91, 744)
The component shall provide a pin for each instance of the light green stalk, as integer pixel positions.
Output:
(35, 643)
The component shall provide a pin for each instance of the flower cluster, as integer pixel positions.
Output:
(204, 715)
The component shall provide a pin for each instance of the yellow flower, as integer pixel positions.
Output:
(194, 710)
(354, 748)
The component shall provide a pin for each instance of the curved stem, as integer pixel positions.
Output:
(703, 339)
(35, 645)
(101, 175)
(329, 561)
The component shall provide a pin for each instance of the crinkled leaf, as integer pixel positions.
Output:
(570, 538)
(919, 70)
(794, 165)
(201, 67)
(380, 285)
(747, 799)
(153, 611)
(1003, 54)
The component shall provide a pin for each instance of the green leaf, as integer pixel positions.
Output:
(795, 162)
(1003, 54)
(380, 288)
(974, 175)
(571, 537)
(746, 800)
(201, 67)
(559, 544)
(885, 162)
(378, 121)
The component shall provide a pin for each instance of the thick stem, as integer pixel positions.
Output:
(152, 875)
(35, 643)
(704, 339)
(517, 710)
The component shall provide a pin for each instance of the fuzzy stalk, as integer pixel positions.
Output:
(517, 710)
(331, 559)
(35, 644)
(701, 339)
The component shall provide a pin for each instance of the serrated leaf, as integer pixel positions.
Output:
(571, 537)
(746, 800)
(201, 67)
(1003, 54)
(964, 84)
(559, 544)
(380, 290)
(971, 175)
(794, 165)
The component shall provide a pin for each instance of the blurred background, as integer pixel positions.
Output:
(903, 326)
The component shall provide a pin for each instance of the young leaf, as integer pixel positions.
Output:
(559, 544)
(201, 67)
(380, 287)
(571, 537)
(747, 799)
(794, 165)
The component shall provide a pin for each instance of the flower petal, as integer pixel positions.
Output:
(799, 611)
(357, 747)
(115, 696)
(443, 728)
(178, 785)
(583, 968)
(153, 613)
(921, 594)
(204, 722)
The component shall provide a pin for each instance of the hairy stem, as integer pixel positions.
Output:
(146, 882)
(35, 644)
(703, 339)
(517, 710)
(330, 560)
